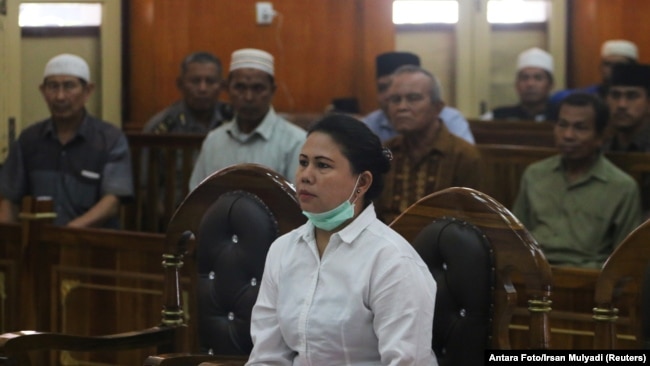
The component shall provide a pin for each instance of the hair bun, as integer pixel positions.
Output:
(387, 153)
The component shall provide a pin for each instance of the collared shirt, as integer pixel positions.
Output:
(96, 162)
(177, 118)
(378, 122)
(577, 224)
(518, 113)
(368, 301)
(275, 143)
(450, 162)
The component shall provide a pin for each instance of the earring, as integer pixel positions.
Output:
(358, 191)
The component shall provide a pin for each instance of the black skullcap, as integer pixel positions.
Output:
(391, 61)
(346, 105)
(631, 75)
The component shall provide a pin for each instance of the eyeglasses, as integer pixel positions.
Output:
(409, 98)
(66, 86)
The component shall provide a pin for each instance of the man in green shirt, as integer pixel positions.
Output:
(577, 204)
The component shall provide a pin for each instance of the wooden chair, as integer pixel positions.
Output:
(234, 232)
(628, 267)
(232, 192)
(476, 298)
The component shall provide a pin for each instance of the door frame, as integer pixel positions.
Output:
(110, 47)
(473, 52)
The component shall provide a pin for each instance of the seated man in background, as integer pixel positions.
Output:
(628, 98)
(426, 157)
(256, 134)
(79, 161)
(386, 64)
(533, 83)
(199, 110)
(612, 52)
(577, 204)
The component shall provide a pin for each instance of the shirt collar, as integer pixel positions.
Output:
(214, 120)
(264, 129)
(441, 142)
(597, 171)
(349, 233)
(83, 131)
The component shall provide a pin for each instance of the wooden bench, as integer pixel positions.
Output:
(525, 133)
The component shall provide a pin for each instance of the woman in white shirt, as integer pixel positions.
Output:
(344, 288)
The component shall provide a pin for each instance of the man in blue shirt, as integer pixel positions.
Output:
(378, 121)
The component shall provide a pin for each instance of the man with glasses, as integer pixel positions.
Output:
(81, 162)
(256, 134)
(426, 156)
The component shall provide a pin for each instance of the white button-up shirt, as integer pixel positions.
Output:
(368, 301)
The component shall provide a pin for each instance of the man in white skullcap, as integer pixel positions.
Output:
(79, 161)
(533, 83)
(256, 134)
(612, 52)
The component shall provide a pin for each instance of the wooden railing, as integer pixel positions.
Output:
(524, 133)
(79, 281)
(162, 166)
(571, 320)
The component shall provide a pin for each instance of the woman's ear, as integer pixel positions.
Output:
(365, 181)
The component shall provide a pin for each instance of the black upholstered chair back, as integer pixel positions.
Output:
(234, 236)
(461, 261)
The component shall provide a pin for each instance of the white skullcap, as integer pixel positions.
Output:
(620, 47)
(535, 57)
(67, 64)
(252, 58)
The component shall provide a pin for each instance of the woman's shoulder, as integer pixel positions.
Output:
(386, 237)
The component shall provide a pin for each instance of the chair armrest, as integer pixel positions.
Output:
(187, 359)
(17, 345)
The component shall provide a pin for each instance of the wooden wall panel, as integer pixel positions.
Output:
(323, 49)
(593, 22)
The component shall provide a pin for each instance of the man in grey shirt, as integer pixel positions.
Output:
(79, 161)
(256, 134)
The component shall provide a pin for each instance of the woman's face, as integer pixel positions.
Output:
(324, 178)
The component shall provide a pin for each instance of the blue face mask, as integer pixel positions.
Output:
(335, 217)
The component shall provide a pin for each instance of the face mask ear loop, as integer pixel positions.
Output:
(354, 189)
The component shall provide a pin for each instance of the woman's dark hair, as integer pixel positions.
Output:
(360, 146)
